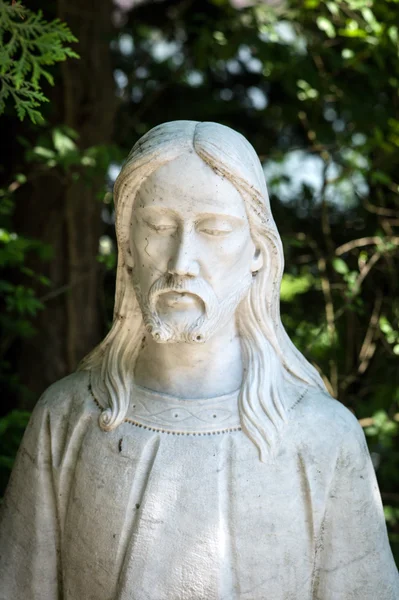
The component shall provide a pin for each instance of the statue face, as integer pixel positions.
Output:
(192, 250)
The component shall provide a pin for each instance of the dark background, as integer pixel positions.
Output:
(313, 86)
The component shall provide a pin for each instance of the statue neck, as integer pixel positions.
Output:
(192, 370)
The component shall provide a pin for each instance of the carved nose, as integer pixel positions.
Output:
(183, 268)
(183, 263)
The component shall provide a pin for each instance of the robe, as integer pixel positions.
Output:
(175, 504)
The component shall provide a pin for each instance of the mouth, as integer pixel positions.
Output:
(175, 299)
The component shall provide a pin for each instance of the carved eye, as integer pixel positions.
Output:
(216, 232)
(161, 227)
(214, 227)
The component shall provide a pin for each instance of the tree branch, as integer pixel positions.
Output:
(366, 241)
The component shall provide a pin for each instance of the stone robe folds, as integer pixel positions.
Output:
(175, 505)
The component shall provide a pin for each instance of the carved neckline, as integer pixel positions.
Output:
(170, 414)
(156, 411)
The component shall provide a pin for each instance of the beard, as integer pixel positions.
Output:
(215, 313)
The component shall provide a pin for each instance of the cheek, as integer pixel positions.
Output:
(235, 251)
(144, 272)
(150, 252)
(230, 260)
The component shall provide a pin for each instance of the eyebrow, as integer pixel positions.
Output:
(199, 216)
(208, 215)
(158, 209)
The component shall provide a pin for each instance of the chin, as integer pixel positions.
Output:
(172, 333)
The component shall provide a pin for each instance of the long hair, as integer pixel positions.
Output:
(272, 364)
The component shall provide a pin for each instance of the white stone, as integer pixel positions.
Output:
(196, 454)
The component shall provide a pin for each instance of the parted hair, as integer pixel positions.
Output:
(273, 367)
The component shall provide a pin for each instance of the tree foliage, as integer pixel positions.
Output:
(29, 45)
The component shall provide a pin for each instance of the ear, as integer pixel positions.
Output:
(257, 261)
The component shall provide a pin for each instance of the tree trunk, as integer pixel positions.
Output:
(67, 214)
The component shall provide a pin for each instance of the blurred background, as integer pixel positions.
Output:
(314, 87)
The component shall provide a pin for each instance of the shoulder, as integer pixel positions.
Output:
(64, 407)
(68, 396)
(322, 409)
(325, 423)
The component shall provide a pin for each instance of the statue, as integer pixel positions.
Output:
(195, 454)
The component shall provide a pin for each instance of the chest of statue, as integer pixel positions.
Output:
(188, 517)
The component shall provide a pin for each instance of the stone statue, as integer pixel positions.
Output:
(196, 454)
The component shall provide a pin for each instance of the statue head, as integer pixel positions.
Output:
(197, 246)
(192, 253)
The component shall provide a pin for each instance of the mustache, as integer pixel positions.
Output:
(175, 283)
(216, 312)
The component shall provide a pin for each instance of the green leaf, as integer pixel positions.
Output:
(33, 45)
(385, 325)
(340, 266)
(291, 286)
(325, 25)
(62, 142)
(43, 152)
(380, 177)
